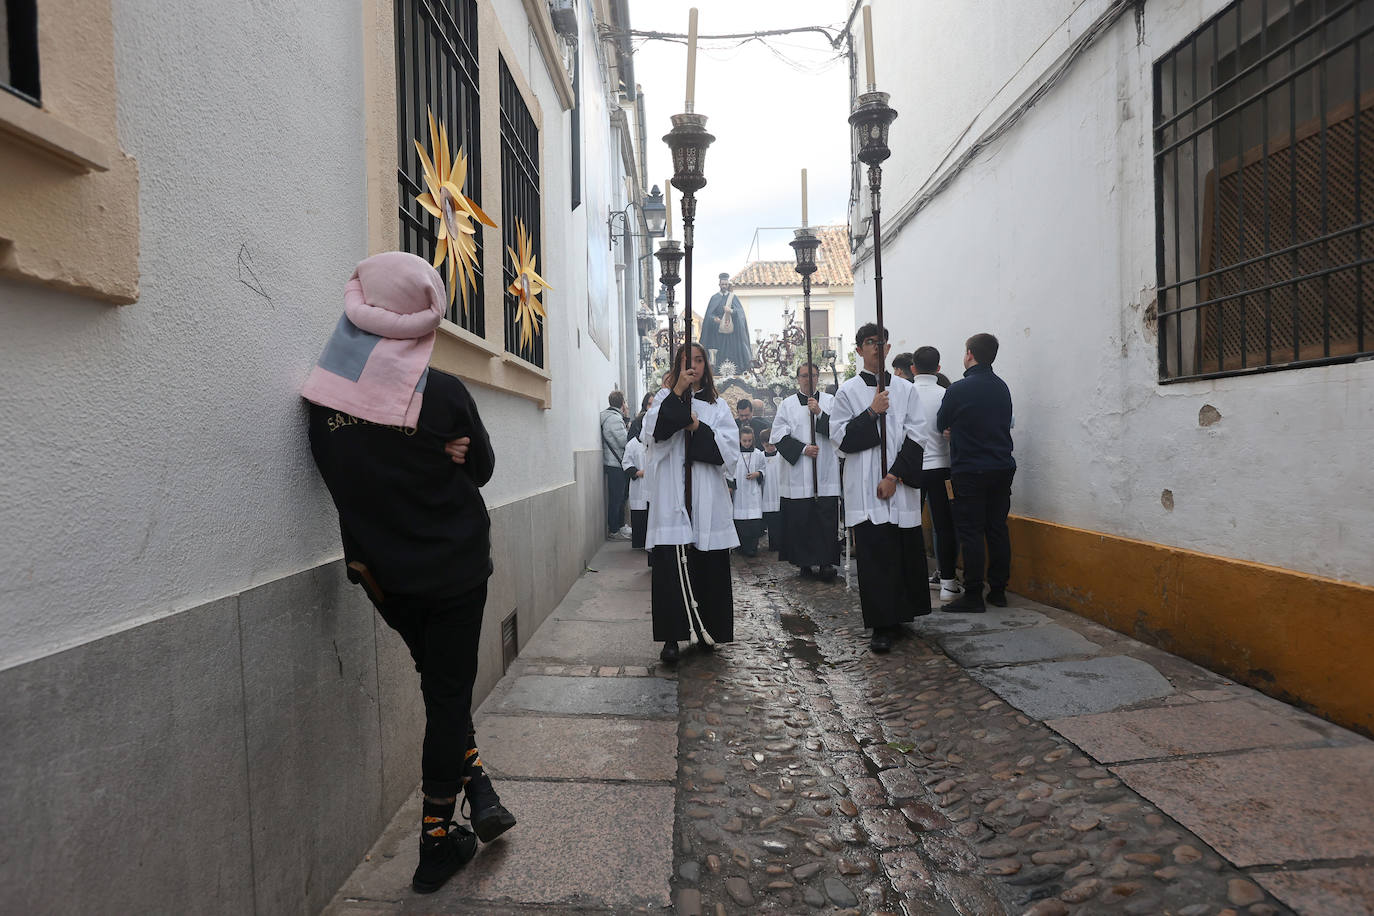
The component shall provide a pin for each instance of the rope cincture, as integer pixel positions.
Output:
(689, 600)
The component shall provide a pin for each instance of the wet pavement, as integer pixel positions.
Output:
(1021, 761)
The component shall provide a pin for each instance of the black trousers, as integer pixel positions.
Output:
(709, 576)
(749, 530)
(941, 519)
(617, 488)
(892, 574)
(639, 527)
(981, 504)
(773, 522)
(442, 636)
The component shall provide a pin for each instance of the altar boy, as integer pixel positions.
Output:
(881, 506)
(749, 472)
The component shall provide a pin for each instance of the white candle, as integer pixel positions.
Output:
(803, 198)
(868, 49)
(691, 57)
(668, 202)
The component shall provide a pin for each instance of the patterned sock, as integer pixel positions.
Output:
(435, 820)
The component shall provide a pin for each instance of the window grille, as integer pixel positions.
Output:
(19, 49)
(436, 70)
(519, 201)
(1264, 145)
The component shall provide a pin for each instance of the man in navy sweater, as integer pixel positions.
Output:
(976, 416)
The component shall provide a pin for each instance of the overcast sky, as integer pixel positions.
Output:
(771, 118)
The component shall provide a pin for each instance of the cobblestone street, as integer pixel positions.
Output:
(809, 775)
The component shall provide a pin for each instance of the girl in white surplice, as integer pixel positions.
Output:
(692, 597)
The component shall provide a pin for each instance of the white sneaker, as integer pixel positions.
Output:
(934, 578)
(950, 589)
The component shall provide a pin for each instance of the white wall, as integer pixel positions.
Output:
(156, 456)
(1047, 240)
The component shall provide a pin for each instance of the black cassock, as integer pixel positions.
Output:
(733, 347)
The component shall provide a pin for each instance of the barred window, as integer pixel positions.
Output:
(519, 201)
(436, 70)
(19, 49)
(1264, 145)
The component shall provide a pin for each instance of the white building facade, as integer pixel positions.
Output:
(771, 293)
(1160, 209)
(178, 217)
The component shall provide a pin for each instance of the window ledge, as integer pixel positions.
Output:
(36, 127)
(474, 359)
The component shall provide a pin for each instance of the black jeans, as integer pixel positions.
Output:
(442, 635)
(617, 486)
(981, 503)
(941, 519)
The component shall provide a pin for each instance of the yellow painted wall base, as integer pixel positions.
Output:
(1303, 639)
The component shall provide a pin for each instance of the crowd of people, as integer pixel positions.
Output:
(877, 457)
(403, 451)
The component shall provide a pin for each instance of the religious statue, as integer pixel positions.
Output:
(725, 330)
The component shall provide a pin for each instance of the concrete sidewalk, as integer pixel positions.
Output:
(582, 737)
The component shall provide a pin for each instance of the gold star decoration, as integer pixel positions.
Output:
(526, 287)
(444, 199)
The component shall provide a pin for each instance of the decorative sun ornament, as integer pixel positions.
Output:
(527, 286)
(455, 211)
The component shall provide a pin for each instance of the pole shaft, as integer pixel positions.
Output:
(875, 182)
(689, 213)
(815, 386)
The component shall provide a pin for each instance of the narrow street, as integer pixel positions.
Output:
(1023, 761)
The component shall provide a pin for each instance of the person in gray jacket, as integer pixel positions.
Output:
(614, 434)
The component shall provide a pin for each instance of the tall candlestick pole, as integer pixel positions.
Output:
(805, 244)
(871, 119)
(868, 49)
(691, 59)
(803, 198)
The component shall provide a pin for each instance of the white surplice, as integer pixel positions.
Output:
(636, 456)
(772, 467)
(794, 419)
(861, 469)
(749, 493)
(711, 525)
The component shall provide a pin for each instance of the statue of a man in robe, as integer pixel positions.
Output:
(725, 330)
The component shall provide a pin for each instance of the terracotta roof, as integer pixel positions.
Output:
(833, 266)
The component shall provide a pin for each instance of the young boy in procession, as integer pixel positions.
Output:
(634, 463)
(403, 452)
(690, 434)
(881, 507)
(749, 477)
(772, 518)
(809, 477)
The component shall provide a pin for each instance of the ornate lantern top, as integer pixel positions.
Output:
(805, 245)
(688, 141)
(669, 256)
(871, 119)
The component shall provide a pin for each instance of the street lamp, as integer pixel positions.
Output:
(655, 212)
(688, 141)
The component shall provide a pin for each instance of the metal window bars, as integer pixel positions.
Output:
(519, 201)
(1264, 126)
(436, 69)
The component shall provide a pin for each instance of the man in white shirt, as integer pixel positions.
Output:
(935, 470)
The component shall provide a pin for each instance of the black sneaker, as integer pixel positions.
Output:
(440, 857)
(826, 574)
(881, 641)
(488, 816)
(997, 597)
(967, 603)
(670, 653)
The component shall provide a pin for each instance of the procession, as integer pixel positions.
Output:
(435, 511)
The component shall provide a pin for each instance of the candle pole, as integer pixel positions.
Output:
(688, 141)
(871, 118)
(805, 244)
